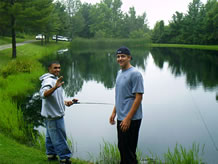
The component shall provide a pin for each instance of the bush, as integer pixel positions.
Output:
(18, 66)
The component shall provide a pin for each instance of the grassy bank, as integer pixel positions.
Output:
(18, 79)
(12, 152)
(202, 47)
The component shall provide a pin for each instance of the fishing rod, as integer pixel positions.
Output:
(75, 101)
(93, 103)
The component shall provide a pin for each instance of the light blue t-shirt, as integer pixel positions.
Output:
(128, 82)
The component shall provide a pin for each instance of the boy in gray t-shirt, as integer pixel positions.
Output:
(128, 96)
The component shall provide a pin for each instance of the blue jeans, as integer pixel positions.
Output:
(56, 139)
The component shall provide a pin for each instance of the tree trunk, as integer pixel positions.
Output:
(45, 39)
(13, 33)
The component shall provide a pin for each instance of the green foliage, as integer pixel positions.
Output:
(184, 156)
(15, 86)
(202, 47)
(109, 154)
(103, 43)
(139, 34)
(100, 34)
(5, 40)
(104, 19)
(39, 141)
(18, 66)
(21, 37)
(198, 26)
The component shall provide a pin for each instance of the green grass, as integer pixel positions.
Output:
(5, 56)
(12, 152)
(109, 154)
(202, 47)
(32, 51)
(184, 156)
(20, 38)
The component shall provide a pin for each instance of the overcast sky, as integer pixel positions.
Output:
(156, 10)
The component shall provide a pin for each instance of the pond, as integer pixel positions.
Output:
(180, 103)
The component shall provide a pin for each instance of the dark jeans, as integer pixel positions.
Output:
(127, 142)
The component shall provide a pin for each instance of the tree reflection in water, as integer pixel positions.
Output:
(200, 68)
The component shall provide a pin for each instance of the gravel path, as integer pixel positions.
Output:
(5, 46)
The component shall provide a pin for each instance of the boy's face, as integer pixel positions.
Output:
(55, 69)
(123, 60)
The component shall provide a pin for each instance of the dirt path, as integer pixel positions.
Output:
(5, 46)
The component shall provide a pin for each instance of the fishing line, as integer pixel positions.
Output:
(204, 122)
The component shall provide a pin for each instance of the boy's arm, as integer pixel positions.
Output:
(127, 120)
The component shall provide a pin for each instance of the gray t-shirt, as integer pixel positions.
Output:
(128, 82)
(53, 105)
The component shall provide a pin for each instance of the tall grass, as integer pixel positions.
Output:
(11, 121)
(109, 154)
(184, 156)
(39, 142)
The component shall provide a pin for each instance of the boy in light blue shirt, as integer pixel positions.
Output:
(128, 96)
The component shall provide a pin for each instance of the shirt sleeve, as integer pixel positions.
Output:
(46, 85)
(137, 83)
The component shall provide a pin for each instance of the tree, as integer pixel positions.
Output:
(62, 20)
(198, 26)
(85, 13)
(15, 13)
(194, 22)
(211, 22)
(158, 32)
(176, 27)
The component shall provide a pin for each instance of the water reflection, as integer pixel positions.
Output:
(199, 67)
(99, 66)
(77, 68)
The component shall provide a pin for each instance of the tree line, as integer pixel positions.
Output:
(198, 26)
(105, 19)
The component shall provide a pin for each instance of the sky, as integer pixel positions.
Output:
(156, 10)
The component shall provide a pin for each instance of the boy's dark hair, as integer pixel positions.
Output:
(53, 62)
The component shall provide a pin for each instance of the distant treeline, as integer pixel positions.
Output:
(198, 26)
(105, 19)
